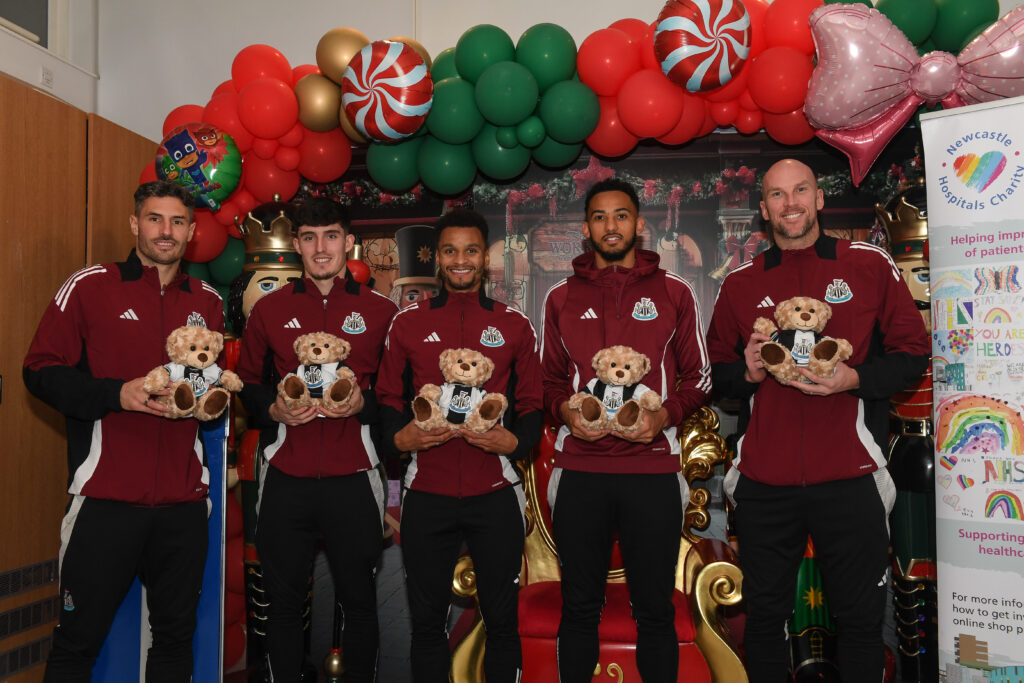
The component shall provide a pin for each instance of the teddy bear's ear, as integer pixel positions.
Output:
(488, 366)
(443, 359)
(218, 343)
(782, 313)
(174, 344)
(345, 347)
(598, 358)
(826, 314)
(645, 363)
(300, 341)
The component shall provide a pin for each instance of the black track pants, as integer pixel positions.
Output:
(293, 513)
(847, 523)
(647, 512)
(104, 546)
(433, 529)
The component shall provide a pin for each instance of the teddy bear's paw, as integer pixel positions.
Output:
(773, 354)
(628, 417)
(340, 392)
(212, 405)
(421, 409)
(293, 387)
(826, 349)
(490, 409)
(591, 410)
(183, 398)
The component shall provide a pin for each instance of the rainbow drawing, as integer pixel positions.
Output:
(948, 461)
(978, 424)
(978, 172)
(1005, 502)
(955, 282)
(998, 316)
(965, 481)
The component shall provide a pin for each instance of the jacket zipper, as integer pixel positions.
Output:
(160, 423)
(462, 343)
(320, 461)
(803, 454)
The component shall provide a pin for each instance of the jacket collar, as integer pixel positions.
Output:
(585, 266)
(824, 247)
(132, 269)
(305, 284)
(441, 298)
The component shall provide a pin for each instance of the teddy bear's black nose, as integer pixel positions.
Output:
(465, 367)
(805, 316)
(201, 357)
(316, 351)
(620, 374)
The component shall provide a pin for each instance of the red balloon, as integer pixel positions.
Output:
(265, 149)
(787, 23)
(610, 138)
(259, 61)
(689, 124)
(790, 128)
(293, 137)
(179, 116)
(148, 173)
(605, 60)
(360, 271)
(287, 158)
(243, 199)
(208, 239)
(708, 126)
(235, 524)
(303, 70)
(747, 102)
(724, 113)
(702, 45)
(222, 112)
(778, 79)
(226, 215)
(634, 28)
(648, 60)
(758, 39)
(649, 104)
(325, 156)
(234, 577)
(730, 91)
(748, 122)
(234, 644)
(385, 95)
(227, 86)
(264, 179)
(267, 107)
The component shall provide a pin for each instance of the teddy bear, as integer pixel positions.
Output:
(461, 402)
(320, 379)
(613, 400)
(198, 386)
(798, 340)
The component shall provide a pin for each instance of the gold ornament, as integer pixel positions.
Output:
(348, 129)
(334, 665)
(415, 45)
(319, 100)
(336, 49)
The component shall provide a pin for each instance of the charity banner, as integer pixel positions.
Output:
(975, 172)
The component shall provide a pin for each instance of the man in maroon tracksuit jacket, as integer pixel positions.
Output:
(462, 485)
(138, 482)
(614, 482)
(321, 477)
(811, 459)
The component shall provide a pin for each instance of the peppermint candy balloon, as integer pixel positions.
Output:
(387, 91)
(702, 44)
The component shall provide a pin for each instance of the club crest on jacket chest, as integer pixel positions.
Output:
(645, 309)
(492, 337)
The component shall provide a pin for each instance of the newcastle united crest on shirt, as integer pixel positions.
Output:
(491, 337)
(196, 320)
(645, 309)
(354, 323)
(838, 292)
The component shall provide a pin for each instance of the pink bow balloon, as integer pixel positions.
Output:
(869, 79)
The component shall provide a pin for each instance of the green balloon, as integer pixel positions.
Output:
(978, 30)
(916, 18)
(554, 154)
(444, 65)
(446, 169)
(506, 136)
(454, 117)
(506, 93)
(197, 270)
(531, 132)
(394, 166)
(481, 46)
(569, 110)
(958, 18)
(494, 159)
(549, 52)
(228, 264)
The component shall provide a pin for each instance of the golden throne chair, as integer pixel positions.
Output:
(707, 579)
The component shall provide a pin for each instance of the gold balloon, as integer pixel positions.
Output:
(336, 49)
(348, 129)
(319, 99)
(420, 50)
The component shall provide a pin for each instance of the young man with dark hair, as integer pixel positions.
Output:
(611, 482)
(138, 482)
(321, 478)
(461, 485)
(811, 459)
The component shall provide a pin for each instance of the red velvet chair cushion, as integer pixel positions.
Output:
(540, 610)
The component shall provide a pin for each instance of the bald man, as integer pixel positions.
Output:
(811, 460)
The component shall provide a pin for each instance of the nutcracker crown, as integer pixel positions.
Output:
(267, 231)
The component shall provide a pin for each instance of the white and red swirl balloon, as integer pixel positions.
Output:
(387, 91)
(702, 44)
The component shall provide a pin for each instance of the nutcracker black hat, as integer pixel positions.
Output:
(417, 255)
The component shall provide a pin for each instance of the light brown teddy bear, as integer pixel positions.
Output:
(197, 384)
(613, 400)
(798, 340)
(461, 402)
(320, 379)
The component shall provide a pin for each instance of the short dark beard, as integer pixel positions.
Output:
(613, 256)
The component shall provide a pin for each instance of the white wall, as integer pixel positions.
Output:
(152, 56)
